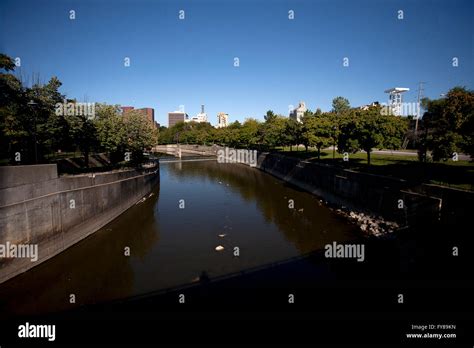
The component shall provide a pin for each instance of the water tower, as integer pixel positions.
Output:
(395, 99)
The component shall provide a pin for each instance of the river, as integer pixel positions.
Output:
(172, 238)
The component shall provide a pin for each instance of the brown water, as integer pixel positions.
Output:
(170, 246)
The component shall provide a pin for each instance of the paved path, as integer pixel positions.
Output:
(461, 157)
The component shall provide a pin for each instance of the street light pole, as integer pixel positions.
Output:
(32, 103)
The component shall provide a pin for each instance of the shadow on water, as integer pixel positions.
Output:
(94, 269)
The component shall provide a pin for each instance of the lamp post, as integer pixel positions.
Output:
(33, 104)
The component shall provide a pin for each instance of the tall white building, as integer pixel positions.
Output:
(395, 100)
(201, 117)
(298, 112)
(222, 120)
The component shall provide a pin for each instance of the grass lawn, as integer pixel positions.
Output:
(459, 174)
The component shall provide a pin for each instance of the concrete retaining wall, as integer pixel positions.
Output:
(11, 176)
(422, 204)
(456, 205)
(172, 149)
(58, 212)
(358, 191)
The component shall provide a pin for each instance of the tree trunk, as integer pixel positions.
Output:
(319, 153)
(368, 157)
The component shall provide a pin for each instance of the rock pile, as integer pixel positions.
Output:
(372, 225)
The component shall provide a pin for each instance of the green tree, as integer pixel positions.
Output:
(37, 128)
(293, 132)
(83, 133)
(12, 102)
(323, 132)
(269, 116)
(340, 105)
(448, 125)
(140, 134)
(111, 131)
(369, 129)
(272, 131)
(249, 136)
(316, 131)
(308, 130)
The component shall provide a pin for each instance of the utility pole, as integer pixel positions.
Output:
(420, 97)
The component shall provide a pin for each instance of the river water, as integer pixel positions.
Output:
(172, 237)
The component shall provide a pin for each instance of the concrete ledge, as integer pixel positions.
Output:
(11, 176)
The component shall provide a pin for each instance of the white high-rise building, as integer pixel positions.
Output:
(201, 117)
(222, 120)
(298, 113)
(395, 100)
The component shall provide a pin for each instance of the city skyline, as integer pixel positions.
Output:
(280, 60)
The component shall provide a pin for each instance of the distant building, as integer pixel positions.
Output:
(298, 112)
(201, 117)
(175, 117)
(366, 107)
(395, 100)
(149, 113)
(222, 120)
(126, 109)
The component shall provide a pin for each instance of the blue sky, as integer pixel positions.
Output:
(191, 62)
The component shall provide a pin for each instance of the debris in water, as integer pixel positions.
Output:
(219, 248)
(222, 235)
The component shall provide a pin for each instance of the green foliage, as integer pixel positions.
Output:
(28, 123)
(351, 130)
(368, 129)
(448, 125)
(340, 105)
(111, 131)
(293, 132)
(83, 133)
(270, 116)
(139, 134)
(273, 132)
(317, 131)
(249, 133)
(31, 122)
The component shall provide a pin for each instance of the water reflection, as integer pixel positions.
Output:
(94, 270)
(173, 235)
(309, 225)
